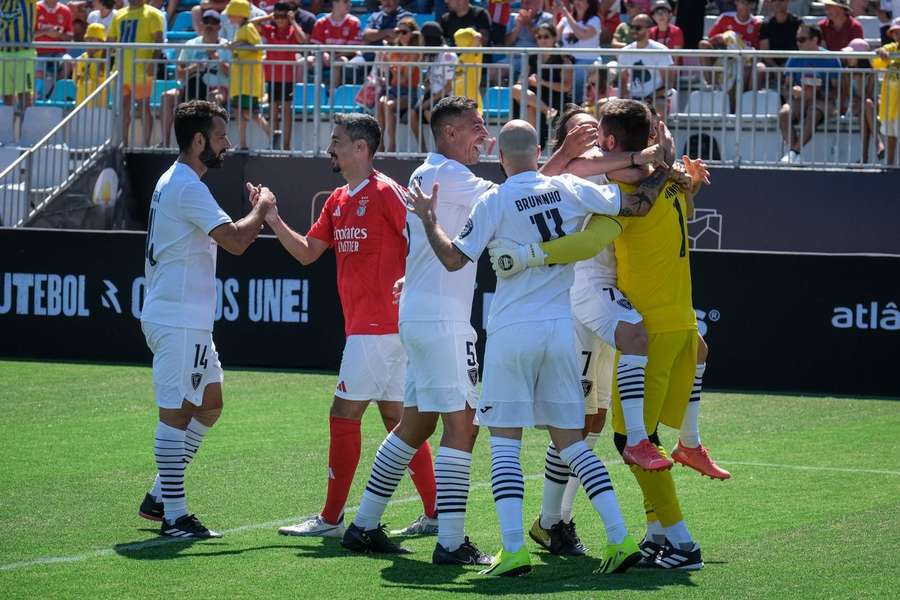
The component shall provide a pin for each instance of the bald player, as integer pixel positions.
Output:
(531, 376)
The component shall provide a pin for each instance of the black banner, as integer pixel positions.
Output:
(779, 210)
(776, 322)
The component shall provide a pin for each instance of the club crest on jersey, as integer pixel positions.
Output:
(195, 380)
(586, 387)
(467, 229)
(624, 303)
(473, 375)
(361, 211)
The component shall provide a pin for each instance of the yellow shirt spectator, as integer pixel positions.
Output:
(142, 25)
(247, 79)
(90, 68)
(467, 80)
(889, 100)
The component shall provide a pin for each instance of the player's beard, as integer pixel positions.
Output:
(335, 166)
(210, 158)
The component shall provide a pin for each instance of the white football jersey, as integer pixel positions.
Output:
(530, 207)
(180, 257)
(600, 269)
(431, 292)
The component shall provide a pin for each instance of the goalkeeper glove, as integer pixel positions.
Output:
(509, 258)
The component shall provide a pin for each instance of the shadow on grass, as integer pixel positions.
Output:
(171, 548)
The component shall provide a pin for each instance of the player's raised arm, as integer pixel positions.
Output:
(424, 207)
(236, 237)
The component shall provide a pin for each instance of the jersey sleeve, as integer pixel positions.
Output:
(197, 206)
(478, 230)
(318, 32)
(717, 28)
(157, 23)
(582, 245)
(112, 32)
(598, 199)
(323, 228)
(394, 197)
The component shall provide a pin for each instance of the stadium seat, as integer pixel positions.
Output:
(497, 103)
(90, 128)
(305, 101)
(7, 125)
(707, 103)
(63, 95)
(8, 155)
(423, 18)
(182, 22)
(14, 203)
(159, 88)
(761, 103)
(50, 166)
(37, 122)
(344, 99)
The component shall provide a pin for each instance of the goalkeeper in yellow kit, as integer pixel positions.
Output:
(654, 273)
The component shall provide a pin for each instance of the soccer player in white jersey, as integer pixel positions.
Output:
(442, 368)
(184, 230)
(531, 373)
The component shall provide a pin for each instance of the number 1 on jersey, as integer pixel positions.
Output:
(540, 221)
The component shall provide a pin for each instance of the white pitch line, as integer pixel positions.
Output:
(137, 546)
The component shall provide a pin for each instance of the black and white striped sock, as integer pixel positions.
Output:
(556, 476)
(690, 426)
(451, 473)
(572, 487)
(193, 437)
(630, 380)
(592, 473)
(508, 486)
(391, 461)
(169, 453)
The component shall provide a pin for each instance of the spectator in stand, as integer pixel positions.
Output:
(811, 91)
(646, 77)
(403, 82)
(281, 29)
(580, 28)
(779, 32)
(467, 79)
(246, 84)
(103, 13)
(610, 18)
(304, 18)
(90, 68)
(521, 26)
(623, 36)
(17, 76)
(461, 15)
(381, 27)
(53, 24)
(889, 99)
(438, 76)
(742, 22)
(337, 28)
(858, 96)
(141, 24)
(201, 72)
(549, 86)
(205, 5)
(863, 8)
(499, 12)
(886, 10)
(839, 28)
(664, 31)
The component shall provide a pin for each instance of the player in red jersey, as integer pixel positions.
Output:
(365, 222)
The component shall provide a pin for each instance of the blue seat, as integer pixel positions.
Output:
(497, 103)
(180, 36)
(182, 22)
(304, 98)
(159, 88)
(344, 99)
(423, 18)
(63, 95)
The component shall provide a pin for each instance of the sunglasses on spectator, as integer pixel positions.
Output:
(404, 31)
(211, 22)
(280, 15)
(637, 27)
(802, 39)
(543, 37)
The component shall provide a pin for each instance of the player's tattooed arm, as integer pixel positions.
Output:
(424, 208)
(639, 202)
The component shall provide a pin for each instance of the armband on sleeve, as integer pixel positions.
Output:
(600, 231)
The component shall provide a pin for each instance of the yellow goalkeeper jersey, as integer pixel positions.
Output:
(654, 269)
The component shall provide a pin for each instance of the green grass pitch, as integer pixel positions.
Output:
(812, 511)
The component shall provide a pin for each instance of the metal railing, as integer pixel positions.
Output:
(52, 149)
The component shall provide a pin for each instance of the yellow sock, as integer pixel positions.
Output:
(658, 488)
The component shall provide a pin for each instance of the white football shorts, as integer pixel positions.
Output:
(600, 308)
(185, 361)
(531, 377)
(441, 367)
(597, 362)
(373, 367)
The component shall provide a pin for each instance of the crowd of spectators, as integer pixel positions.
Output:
(406, 84)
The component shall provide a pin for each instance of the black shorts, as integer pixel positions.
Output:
(194, 89)
(280, 91)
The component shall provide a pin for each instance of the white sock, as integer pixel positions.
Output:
(391, 460)
(556, 477)
(679, 535)
(508, 486)
(630, 379)
(590, 470)
(193, 437)
(656, 533)
(451, 473)
(156, 490)
(573, 485)
(169, 453)
(690, 427)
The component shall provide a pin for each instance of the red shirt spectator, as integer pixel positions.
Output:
(280, 36)
(366, 227)
(499, 11)
(52, 17)
(672, 38)
(837, 39)
(327, 31)
(748, 30)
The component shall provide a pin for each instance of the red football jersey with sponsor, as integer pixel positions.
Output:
(326, 31)
(366, 226)
(748, 30)
(60, 16)
(276, 65)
